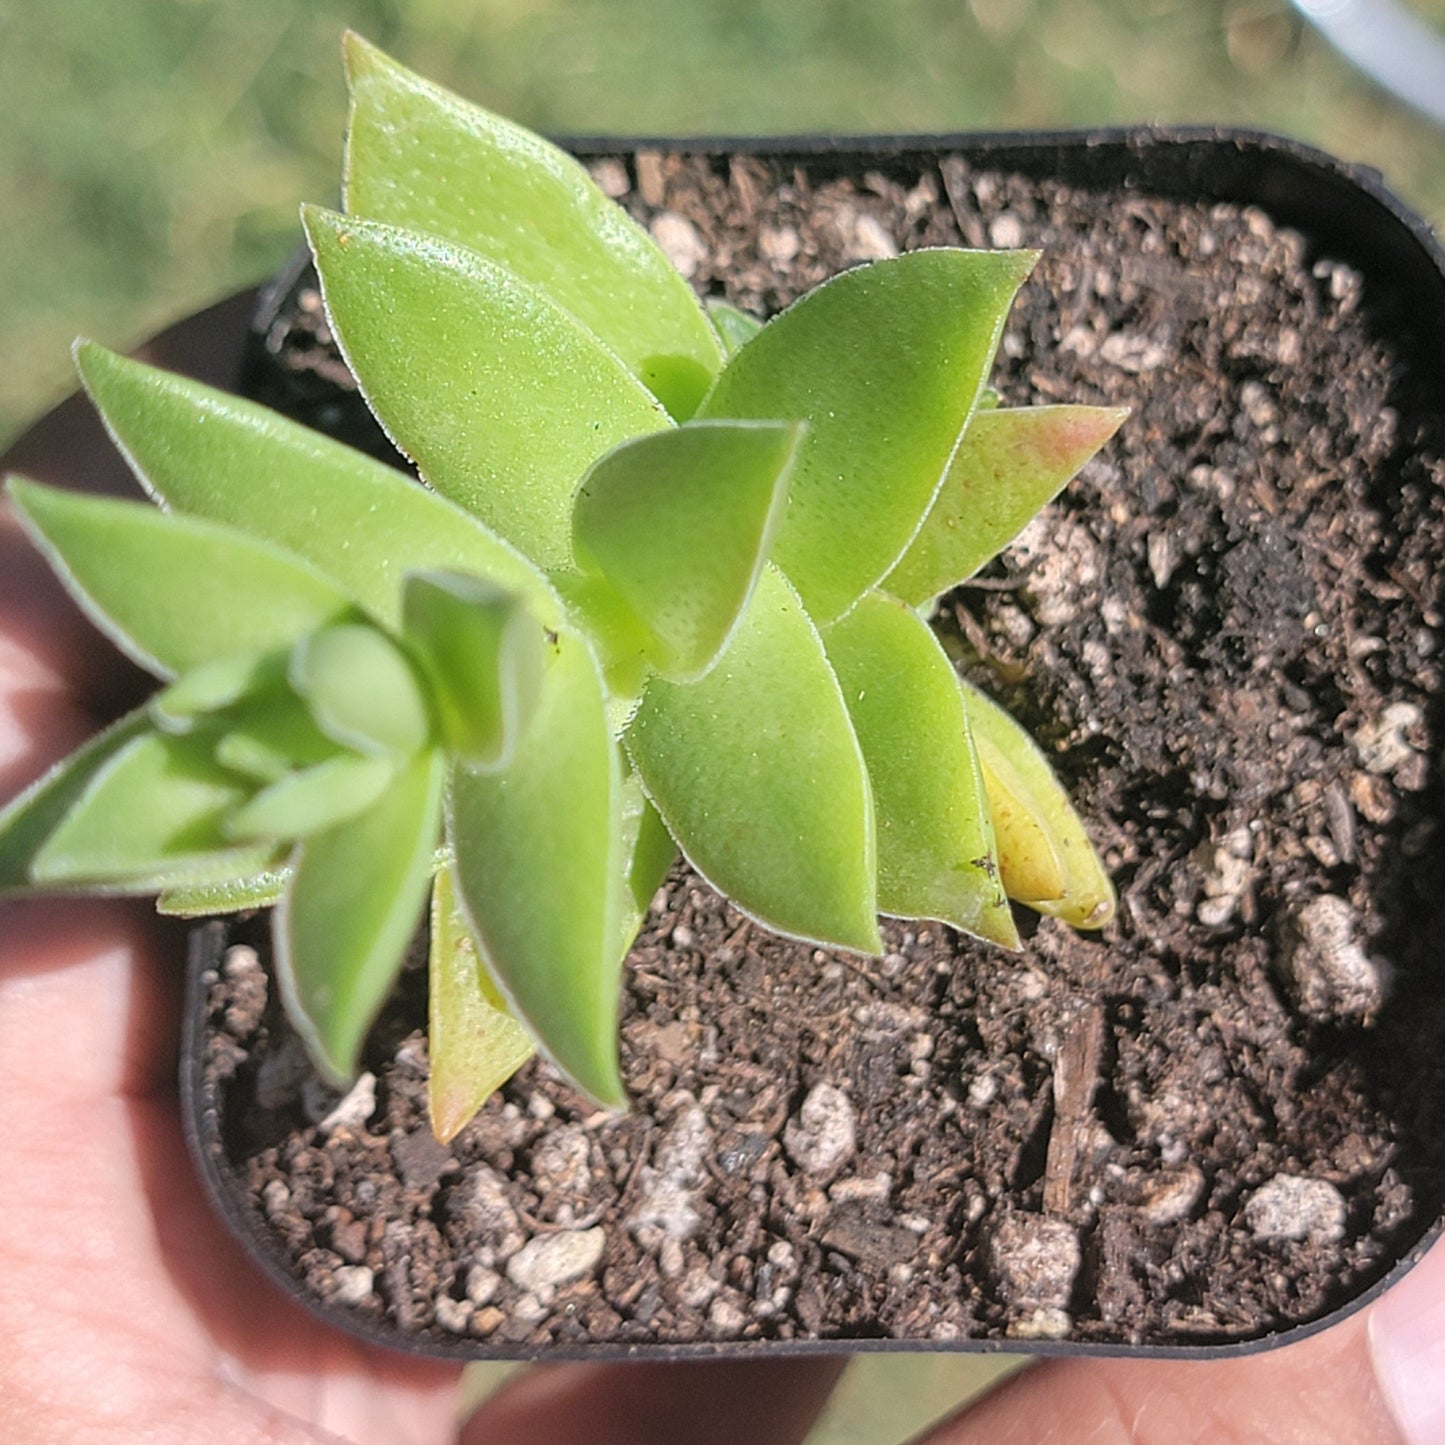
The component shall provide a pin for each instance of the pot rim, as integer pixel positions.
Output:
(1345, 210)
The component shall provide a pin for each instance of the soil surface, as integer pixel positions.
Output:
(1221, 1117)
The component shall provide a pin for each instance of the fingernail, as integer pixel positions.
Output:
(1407, 1347)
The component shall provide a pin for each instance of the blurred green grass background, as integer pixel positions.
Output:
(153, 152)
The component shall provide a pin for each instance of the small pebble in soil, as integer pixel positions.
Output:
(822, 1136)
(667, 1202)
(544, 1264)
(1326, 971)
(1290, 1206)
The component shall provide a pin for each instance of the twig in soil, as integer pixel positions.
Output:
(1076, 1075)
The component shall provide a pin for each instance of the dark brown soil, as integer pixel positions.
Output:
(1220, 1118)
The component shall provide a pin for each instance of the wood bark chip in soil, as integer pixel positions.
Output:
(1221, 1118)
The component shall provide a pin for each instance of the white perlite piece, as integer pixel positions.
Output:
(354, 1109)
(666, 1207)
(1036, 1260)
(354, 1284)
(1329, 975)
(1291, 1206)
(680, 243)
(823, 1135)
(544, 1264)
(1382, 742)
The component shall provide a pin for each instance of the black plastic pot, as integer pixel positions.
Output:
(1343, 212)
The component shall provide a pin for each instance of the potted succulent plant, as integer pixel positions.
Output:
(665, 584)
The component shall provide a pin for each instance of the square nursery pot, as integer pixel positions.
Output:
(1218, 1125)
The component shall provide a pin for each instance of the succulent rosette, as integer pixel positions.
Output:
(662, 584)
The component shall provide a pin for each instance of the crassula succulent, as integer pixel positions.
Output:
(662, 584)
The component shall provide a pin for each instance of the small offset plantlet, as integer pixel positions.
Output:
(663, 585)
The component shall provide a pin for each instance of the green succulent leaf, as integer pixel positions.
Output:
(474, 1043)
(1008, 465)
(152, 816)
(240, 895)
(1045, 858)
(174, 592)
(212, 455)
(270, 735)
(33, 815)
(679, 524)
(936, 854)
(483, 650)
(213, 687)
(363, 691)
(649, 852)
(733, 325)
(757, 773)
(538, 857)
(420, 157)
(312, 800)
(500, 397)
(885, 364)
(355, 898)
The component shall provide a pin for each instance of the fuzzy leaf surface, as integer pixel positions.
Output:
(473, 1042)
(757, 774)
(1033, 812)
(679, 524)
(152, 815)
(420, 157)
(355, 898)
(174, 592)
(363, 692)
(203, 900)
(1009, 464)
(483, 651)
(885, 364)
(501, 398)
(213, 455)
(648, 852)
(537, 849)
(28, 819)
(935, 840)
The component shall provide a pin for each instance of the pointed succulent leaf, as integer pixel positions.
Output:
(473, 1042)
(885, 364)
(935, 840)
(1045, 857)
(30, 818)
(733, 325)
(500, 397)
(363, 691)
(151, 816)
(214, 686)
(205, 900)
(266, 737)
(679, 525)
(313, 799)
(757, 773)
(212, 455)
(355, 898)
(1008, 465)
(538, 857)
(482, 649)
(174, 592)
(648, 852)
(421, 157)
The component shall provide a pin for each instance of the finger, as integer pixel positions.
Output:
(1325, 1390)
(705, 1402)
